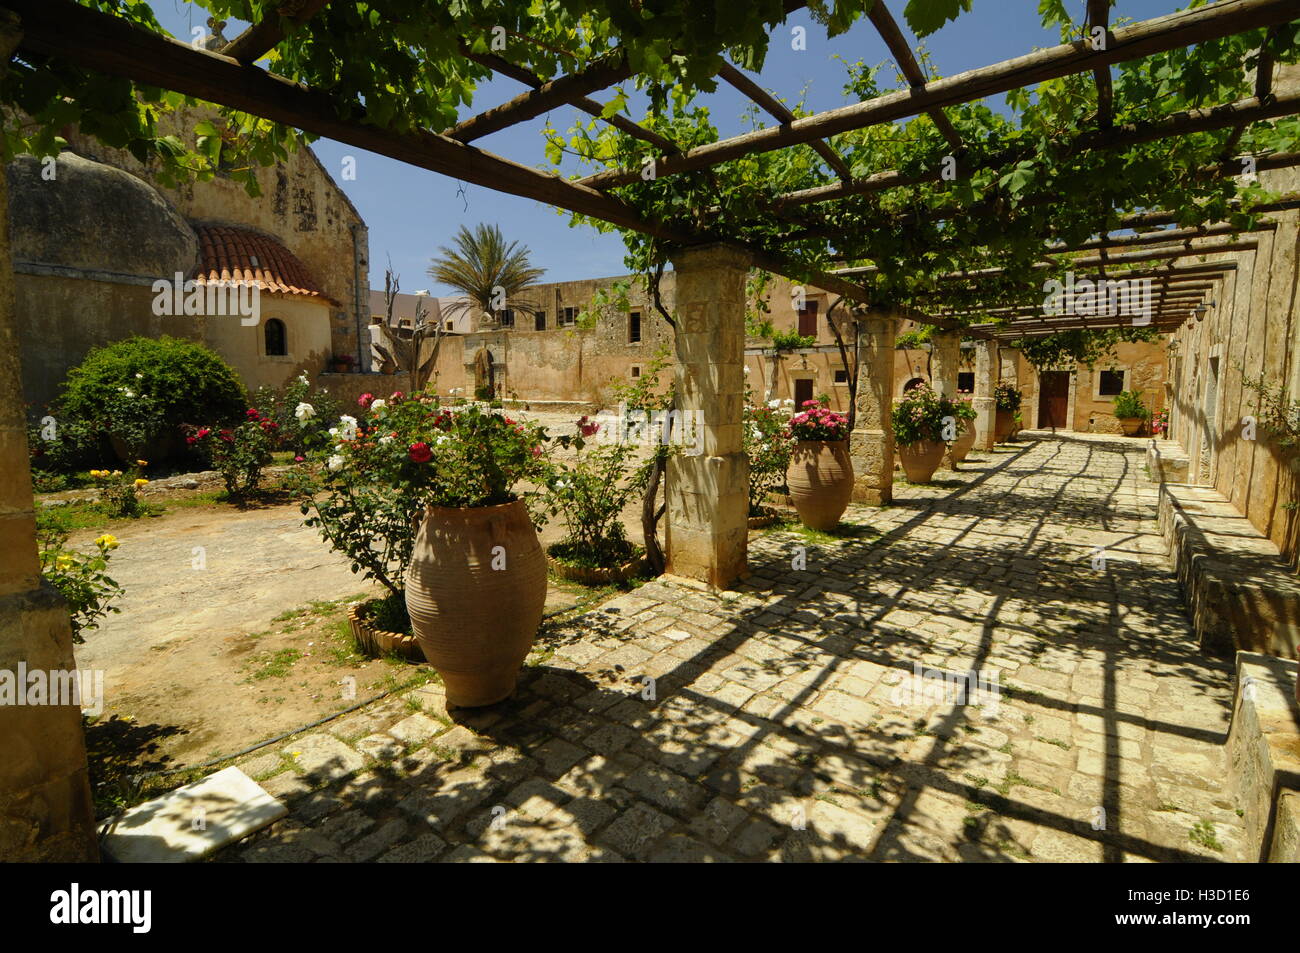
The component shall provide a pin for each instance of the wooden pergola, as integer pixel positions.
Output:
(707, 501)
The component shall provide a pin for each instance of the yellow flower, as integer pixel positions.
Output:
(142, 463)
(107, 541)
(141, 482)
(63, 562)
(117, 473)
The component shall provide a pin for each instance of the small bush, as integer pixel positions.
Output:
(142, 389)
(1128, 405)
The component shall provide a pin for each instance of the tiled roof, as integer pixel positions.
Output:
(228, 253)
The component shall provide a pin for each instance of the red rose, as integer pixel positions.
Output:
(203, 432)
(589, 430)
(365, 399)
(420, 453)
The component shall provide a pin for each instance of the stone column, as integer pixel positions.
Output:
(987, 367)
(45, 807)
(1009, 373)
(871, 445)
(707, 490)
(945, 354)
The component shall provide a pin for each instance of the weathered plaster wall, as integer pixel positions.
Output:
(1254, 331)
(1146, 366)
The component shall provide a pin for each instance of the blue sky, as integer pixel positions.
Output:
(411, 212)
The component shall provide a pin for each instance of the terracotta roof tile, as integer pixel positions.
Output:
(229, 253)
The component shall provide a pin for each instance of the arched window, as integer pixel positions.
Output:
(276, 341)
(913, 384)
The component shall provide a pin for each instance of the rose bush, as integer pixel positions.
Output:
(767, 443)
(82, 579)
(816, 421)
(589, 491)
(923, 414)
(240, 453)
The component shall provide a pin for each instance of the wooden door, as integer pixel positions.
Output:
(803, 390)
(1054, 399)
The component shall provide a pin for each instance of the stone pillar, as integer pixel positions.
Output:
(871, 445)
(707, 491)
(45, 806)
(1009, 373)
(945, 354)
(987, 367)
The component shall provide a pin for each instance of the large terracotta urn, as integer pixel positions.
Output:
(921, 459)
(475, 589)
(958, 449)
(820, 478)
(1004, 425)
(1130, 425)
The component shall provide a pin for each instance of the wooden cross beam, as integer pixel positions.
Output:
(1099, 17)
(1158, 35)
(260, 38)
(888, 29)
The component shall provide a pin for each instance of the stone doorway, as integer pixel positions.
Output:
(485, 375)
(1054, 400)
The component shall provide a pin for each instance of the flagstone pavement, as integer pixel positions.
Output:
(803, 716)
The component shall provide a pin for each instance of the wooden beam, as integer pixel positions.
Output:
(115, 47)
(778, 110)
(1099, 16)
(530, 105)
(589, 106)
(1158, 35)
(260, 38)
(1243, 111)
(888, 29)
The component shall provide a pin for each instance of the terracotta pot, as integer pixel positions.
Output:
(820, 478)
(921, 459)
(1004, 425)
(961, 446)
(1130, 425)
(476, 623)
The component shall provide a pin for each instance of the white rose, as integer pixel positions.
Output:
(348, 427)
(378, 404)
(304, 412)
(386, 438)
(773, 404)
(335, 462)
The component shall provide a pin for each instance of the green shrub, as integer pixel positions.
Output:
(141, 389)
(1128, 405)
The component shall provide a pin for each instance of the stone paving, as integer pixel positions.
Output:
(787, 720)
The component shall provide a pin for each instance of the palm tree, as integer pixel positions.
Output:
(487, 270)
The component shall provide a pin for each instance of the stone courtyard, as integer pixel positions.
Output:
(784, 721)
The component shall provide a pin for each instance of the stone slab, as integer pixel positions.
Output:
(192, 821)
(1264, 752)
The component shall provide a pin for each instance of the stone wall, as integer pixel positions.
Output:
(1253, 331)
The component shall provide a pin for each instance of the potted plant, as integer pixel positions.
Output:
(964, 412)
(588, 491)
(820, 474)
(1160, 423)
(1007, 398)
(766, 442)
(1130, 411)
(474, 583)
(919, 421)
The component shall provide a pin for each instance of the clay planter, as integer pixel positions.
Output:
(961, 446)
(762, 522)
(1130, 425)
(1004, 425)
(820, 478)
(592, 575)
(921, 459)
(376, 642)
(476, 623)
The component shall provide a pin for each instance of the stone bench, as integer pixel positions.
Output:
(1240, 593)
(1167, 463)
(1264, 756)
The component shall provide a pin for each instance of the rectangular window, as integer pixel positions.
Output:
(539, 320)
(507, 318)
(966, 382)
(808, 319)
(567, 317)
(634, 328)
(841, 376)
(636, 370)
(1110, 383)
